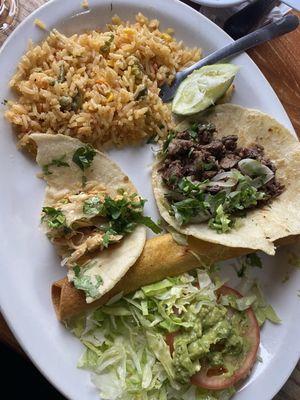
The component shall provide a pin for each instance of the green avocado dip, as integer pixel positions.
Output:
(153, 343)
(212, 340)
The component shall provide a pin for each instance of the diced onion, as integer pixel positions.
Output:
(261, 174)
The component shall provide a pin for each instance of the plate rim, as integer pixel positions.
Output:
(217, 4)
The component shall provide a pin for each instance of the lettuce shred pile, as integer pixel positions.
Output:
(125, 341)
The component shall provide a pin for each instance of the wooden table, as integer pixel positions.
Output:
(279, 60)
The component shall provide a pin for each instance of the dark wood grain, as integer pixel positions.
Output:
(279, 60)
(7, 337)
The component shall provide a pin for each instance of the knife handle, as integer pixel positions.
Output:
(248, 18)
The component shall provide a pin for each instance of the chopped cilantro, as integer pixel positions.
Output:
(245, 195)
(106, 47)
(147, 221)
(167, 142)
(57, 162)
(219, 209)
(83, 157)
(123, 214)
(195, 189)
(193, 131)
(53, 217)
(89, 283)
(184, 211)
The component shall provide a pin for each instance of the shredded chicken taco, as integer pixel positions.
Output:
(232, 177)
(92, 213)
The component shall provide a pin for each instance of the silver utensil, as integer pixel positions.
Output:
(284, 25)
(295, 4)
(248, 18)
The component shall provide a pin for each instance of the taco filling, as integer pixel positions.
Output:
(91, 213)
(214, 180)
(82, 223)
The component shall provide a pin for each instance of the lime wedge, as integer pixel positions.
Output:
(202, 88)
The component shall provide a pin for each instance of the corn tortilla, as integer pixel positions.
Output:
(264, 225)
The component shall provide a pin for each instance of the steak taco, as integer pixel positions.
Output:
(92, 213)
(232, 177)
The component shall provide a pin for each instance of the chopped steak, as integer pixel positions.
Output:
(183, 135)
(179, 147)
(268, 163)
(197, 155)
(230, 142)
(256, 152)
(205, 133)
(229, 161)
(215, 147)
(172, 171)
(274, 188)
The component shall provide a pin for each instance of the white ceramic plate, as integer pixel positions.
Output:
(28, 263)
(219, 3)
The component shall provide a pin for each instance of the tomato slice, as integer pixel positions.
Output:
(214, 378)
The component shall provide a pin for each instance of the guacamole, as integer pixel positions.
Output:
(180, 338)
(214, 336)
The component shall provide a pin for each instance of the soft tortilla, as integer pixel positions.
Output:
(262, 226)
(111, 263)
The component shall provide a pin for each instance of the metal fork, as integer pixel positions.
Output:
(268, 32)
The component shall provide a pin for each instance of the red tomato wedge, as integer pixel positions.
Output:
(214, 378)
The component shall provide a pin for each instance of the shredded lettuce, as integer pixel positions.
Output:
(241, 304)
(125, 346)
(263, 311)
(250, 287)
(221, 221)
